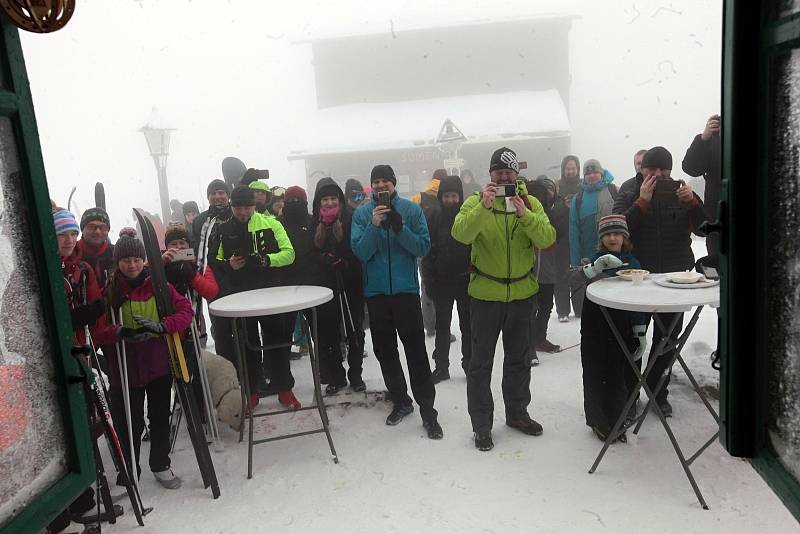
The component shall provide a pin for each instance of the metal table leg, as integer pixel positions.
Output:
(642, 384)
(311, 334)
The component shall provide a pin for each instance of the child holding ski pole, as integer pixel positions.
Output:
(143, 358)
(604, 363)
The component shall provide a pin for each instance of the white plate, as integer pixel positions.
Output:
(628, 276)
(663, 280)
(685, 277)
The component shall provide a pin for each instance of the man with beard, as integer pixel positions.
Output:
(389, 234)
(94, 247)
(503, 231)
(566, 188)
(262, 195)
(251, 247)
(445, 273)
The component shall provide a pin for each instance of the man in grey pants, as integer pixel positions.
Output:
(503, 230)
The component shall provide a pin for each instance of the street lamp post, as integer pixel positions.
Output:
(158, 144)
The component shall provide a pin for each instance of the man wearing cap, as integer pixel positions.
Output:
(94, 247)
(262, 195)
(503, 231)
(388, 240)
(251, 246)
(661, 216)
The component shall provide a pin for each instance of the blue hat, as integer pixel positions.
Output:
(64, 222)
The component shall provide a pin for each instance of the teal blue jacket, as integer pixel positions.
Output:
(389, 258)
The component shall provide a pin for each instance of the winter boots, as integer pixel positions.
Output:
(168, 479)
(525, 424)
(434, 429)
(398, 413)
(439, 374)
(288, 399)
(545, 346)
(483, 441)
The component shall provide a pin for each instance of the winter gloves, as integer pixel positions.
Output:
(88, 314)
(607, 261)
(154, 327)
(134, 335)
(394, 220)
(640, 335)
(148, 330)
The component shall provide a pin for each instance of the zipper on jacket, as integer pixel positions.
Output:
(389, 252)
(508, 260)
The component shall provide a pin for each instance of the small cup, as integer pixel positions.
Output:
(637, 278)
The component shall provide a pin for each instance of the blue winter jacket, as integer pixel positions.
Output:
(389, 258)
(596, 201)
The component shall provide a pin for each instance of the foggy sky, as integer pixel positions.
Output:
(231, 78)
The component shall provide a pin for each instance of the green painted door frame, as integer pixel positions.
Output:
(753, 37)
(16, 104)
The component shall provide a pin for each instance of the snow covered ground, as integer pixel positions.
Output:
(394, 479)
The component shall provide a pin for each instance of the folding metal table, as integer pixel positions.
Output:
(274, 301)
(650, 297)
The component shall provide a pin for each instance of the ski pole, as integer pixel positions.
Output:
(122, 361)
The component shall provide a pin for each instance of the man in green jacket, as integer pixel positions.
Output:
(251, 246)
(503, 224)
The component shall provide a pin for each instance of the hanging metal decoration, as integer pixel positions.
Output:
(38, 16)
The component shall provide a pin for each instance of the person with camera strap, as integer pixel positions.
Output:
(503, 224)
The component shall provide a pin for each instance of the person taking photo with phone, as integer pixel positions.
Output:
(388, 234)
(661, 214)
(503, 225)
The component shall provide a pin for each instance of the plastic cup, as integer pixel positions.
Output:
(637, 278)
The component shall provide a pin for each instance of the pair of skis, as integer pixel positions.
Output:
(180, 369)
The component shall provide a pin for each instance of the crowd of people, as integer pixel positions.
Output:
(503, 254)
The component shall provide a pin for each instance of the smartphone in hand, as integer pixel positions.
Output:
(384, 199)
(505, 190)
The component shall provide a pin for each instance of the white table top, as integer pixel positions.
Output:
(270, 301)
(621, 294)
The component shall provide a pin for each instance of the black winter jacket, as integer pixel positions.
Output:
(704, 158)
(446, 267)
(660, 233)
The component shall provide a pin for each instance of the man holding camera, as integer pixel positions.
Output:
(661, 213)
(251, 245)
(704, 157)
(504, 224)
(388, 234)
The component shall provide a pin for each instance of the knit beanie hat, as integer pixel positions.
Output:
(175, 231)
(64, 222)
(548, 183)
(352, 185)
(295, 192)
(612, 223)
(592, 165)
(382, 172)
(438, 174)
(217, 185)
(191, 207)
(127, 247)
(242, 196)
(657, 157)
(258, 186)
(95, 214)
(504, 158)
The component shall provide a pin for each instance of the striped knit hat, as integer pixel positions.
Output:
(613, 223)
(64, 222)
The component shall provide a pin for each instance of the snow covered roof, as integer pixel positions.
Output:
(416, 123)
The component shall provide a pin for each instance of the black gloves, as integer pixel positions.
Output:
(334, 261)
(395, 220)
(258, 260)
(87, 315)
(149, 325)
(134, 334)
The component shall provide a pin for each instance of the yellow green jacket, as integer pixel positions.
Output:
(502, 246)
